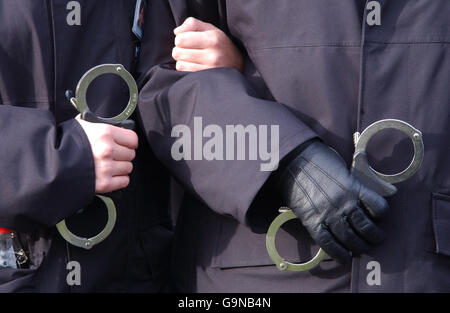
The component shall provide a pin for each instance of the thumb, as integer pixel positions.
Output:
(192, 24)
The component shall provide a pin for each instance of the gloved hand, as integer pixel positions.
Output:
(336, 209)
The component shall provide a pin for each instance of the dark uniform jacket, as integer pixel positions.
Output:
(46, 164)
(315, 68)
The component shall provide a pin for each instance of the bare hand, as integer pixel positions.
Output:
(201, 46)
(113, 149)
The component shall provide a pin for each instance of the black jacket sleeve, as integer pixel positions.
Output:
(221, 97)
(46, 171)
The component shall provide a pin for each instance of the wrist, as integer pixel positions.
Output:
(278, 175)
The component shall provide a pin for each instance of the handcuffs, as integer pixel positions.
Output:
(121, 120)
(378, 182)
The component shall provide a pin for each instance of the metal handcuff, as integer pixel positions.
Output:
(378, 182)
(121, 120)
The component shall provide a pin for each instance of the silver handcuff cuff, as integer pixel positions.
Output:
(80, 103)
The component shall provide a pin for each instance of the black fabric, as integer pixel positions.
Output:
(318, 70)
(46, 165)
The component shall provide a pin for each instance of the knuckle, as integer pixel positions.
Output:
(190, 21)
(135, 140)
(180, 40)
(214, 40)
(104, 169)
(130, 167)
(218, 59)
(213, 57)
(106, 151)
(384, 203)
(103, 185)
(106, 132)
(126, 181)
(175, 53)
(132, 155)
(384, 206)
(107, 129)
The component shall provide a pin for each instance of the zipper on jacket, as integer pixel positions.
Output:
(51, 25)
(354, 276)
(362, 71)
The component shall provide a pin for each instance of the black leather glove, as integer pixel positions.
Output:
(336, 209)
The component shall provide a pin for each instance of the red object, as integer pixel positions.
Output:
(5, 230)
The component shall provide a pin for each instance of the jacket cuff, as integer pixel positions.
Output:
(264, 205)
(79, 169)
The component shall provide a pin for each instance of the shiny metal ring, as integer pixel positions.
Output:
(89, 243)
(413, 133)
(93, 73)
(282, 264)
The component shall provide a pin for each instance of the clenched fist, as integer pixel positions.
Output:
(113, 149)
(338, 211)
(201, 46)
